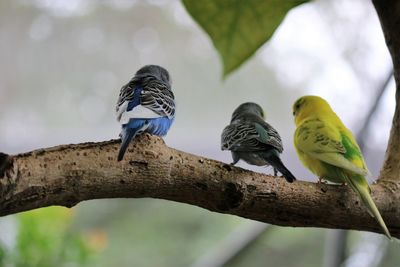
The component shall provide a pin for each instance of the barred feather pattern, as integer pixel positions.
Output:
(243, 136)
(156, 95)
(125, 94)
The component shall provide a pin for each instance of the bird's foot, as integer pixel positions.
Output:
(321, 184)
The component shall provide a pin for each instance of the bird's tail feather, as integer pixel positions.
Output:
(126, 136)
(361, 187)
(276, 162)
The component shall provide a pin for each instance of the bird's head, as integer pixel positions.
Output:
(246, 108)
(307, 106)
(155, 71)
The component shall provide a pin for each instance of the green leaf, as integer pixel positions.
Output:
(45, 239)
(239, 27)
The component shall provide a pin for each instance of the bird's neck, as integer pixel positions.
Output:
(323, 115)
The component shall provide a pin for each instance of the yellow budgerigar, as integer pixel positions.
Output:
(329, 150)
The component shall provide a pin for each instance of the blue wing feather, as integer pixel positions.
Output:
(136, 98)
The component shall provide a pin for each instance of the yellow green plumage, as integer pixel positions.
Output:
(329, 149)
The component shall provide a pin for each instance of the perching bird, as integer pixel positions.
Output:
(251, 139)
(329, 150)
(145, 104)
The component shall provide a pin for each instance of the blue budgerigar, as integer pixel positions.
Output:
(145, 104)
(253, 140)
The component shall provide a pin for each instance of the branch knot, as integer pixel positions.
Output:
(9, 176)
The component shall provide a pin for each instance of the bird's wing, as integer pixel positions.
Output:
(247, 136)
(353, 151)
(125, 99)
(327, 143)
(269, 135)
(158, 97)
(153, 100)
(125, 95)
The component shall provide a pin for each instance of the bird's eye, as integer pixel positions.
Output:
(296, 108)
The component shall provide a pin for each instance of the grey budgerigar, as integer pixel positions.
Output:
(253, 140)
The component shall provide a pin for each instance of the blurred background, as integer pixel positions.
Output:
(62, 65)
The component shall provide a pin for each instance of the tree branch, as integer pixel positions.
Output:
(389, 15)
(66, 175)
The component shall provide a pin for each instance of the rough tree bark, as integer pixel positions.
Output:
(66, 175)
(389, 15)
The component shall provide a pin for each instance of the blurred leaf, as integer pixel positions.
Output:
(45, 240)
(2, 256)
(97, 240)
(237, 27)
(40, 235)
